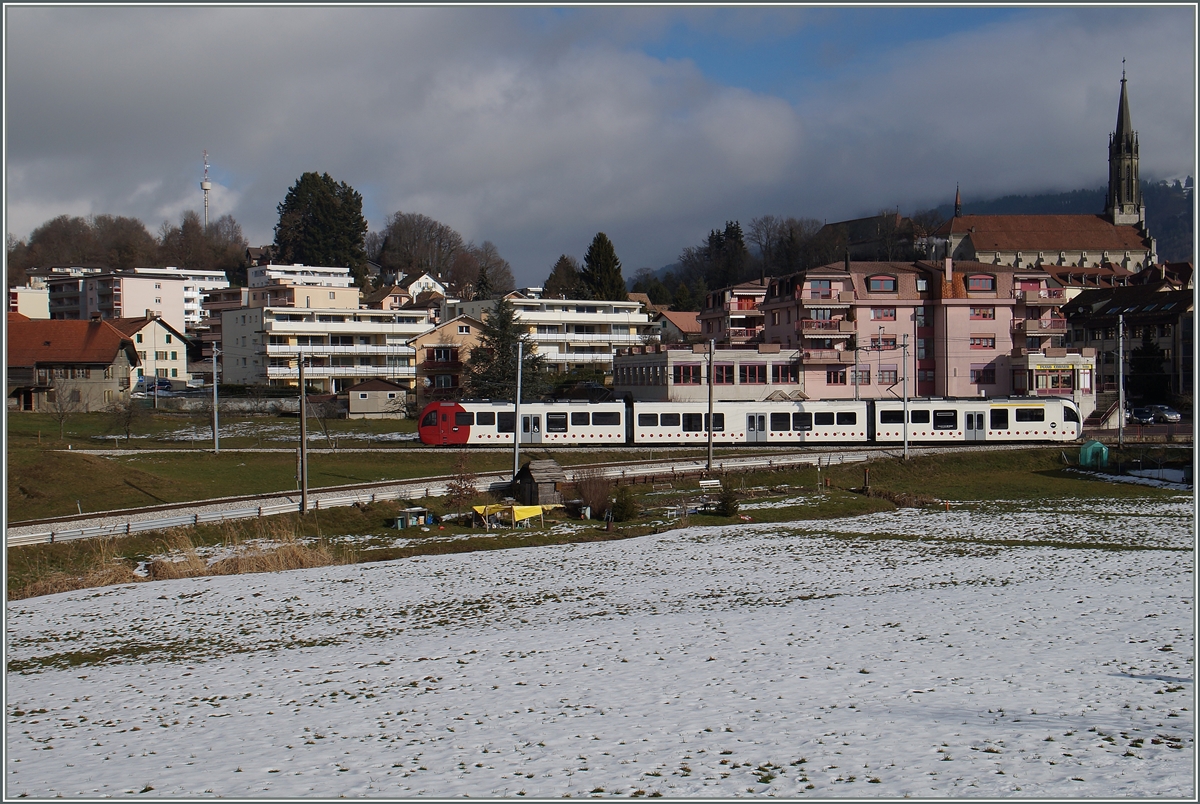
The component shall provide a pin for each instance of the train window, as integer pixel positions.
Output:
(580, 418)
(802, 421)
(485, 417)
(1031, 414)
(609, 417)
(891, 417)
(847, 417)
(669, 420)
(945, 420)
(718, 422)
(647, 420)
(556, 422)
(823, 419)
(430, 419)
(781, 421)
(506, 422)
(998, 420)
(1070, 414)
(693, 422)
(463, 418)
(918, 417)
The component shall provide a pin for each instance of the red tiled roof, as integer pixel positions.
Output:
(375, 384)
(684, 322)
(43, 342)
(132, 326)
(1044, 233)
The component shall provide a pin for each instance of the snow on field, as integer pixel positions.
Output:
(998, 649)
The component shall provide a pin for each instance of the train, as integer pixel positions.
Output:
(931, 420)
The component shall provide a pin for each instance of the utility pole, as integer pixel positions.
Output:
(517, 414)
(1121, 380)
(711, 348)
(216, 425)
(905, 396)
(303, 442)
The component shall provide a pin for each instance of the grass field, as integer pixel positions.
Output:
(356, 534)
(46, 479)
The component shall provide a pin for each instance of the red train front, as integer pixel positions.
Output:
(443, 423)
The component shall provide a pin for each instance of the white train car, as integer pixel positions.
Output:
(486, 422)
(1011, 419)
(745, 422)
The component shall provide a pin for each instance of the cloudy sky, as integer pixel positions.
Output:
(535, 128)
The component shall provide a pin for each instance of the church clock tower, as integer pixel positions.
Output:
(1123, 205)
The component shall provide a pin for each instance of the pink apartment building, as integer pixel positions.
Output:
(971, 329)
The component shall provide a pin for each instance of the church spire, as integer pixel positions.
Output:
(957, 202)
(1123, 204)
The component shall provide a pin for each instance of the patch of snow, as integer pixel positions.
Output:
(868, 657)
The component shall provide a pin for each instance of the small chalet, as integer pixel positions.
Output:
(540, 483)
(376, 399)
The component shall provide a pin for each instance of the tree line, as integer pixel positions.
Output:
(119, 243)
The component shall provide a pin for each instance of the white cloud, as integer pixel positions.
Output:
(536, 130)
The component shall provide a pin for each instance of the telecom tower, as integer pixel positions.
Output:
(206, 185)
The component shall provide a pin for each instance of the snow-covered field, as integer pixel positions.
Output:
(998, 649)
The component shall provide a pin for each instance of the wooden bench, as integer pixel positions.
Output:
(710, 484)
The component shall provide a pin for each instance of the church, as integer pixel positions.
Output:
(1115, 242)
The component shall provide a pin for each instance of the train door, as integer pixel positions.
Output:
(973, 422)
(531, 428)
(756, 428)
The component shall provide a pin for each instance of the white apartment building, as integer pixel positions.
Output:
(262, 275)
(116, 295)
(31, 302)
(341, 346)
(196, 284)
(569, 333)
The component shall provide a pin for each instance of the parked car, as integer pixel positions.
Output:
(147, 384)
(1164, 414)
(1140, 416)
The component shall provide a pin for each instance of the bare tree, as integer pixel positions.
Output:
(499, 272)
(415, 243)
(463, 485)
(124, 415)
(324, 412)
(63, 400)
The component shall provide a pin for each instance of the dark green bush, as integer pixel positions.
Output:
(727, 503)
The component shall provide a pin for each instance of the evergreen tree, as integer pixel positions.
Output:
(491, 370)
(1147, 379)
(483, 284)
(564, 279)
(321, 223)
(684, 302)
(602, 271)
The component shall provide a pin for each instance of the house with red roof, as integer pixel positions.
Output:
(86, 364)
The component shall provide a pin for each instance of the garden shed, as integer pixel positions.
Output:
(540, 483)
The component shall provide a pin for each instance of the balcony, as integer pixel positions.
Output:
(435, 366)
(825, 298)
(742, 333)
(324, 372)
(586, 337)
(1040, 326)
(318, 350)
(828, 355)
(577, 357)
(1040, 296)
